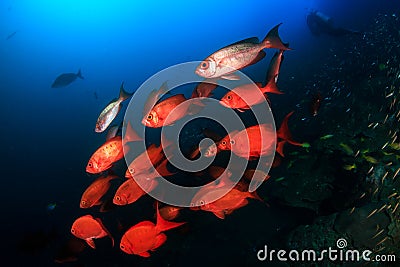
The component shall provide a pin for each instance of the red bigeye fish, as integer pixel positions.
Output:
(252, 142)
(169, 212)
(315, 104)
(157, 117)
(105, 156)
(145, 161)
(230, 202)
(286, 137)
(205, 88)
(153, 97)
(130, 191)
(96, 191)
(239, 55)
(146, 236)
(111, 110)
(89, 228)
(214, 190)
(247, 95)
(274, 67)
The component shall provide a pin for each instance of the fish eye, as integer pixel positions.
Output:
(118, 198)
(191, 204)
(229, 97)
(72, 231)
(223, 143)
(201, 202)
(83, 202)
(204, 65)
(232, 142)
(131, 170)
(90, 164)
(122, 247)
(149, 117)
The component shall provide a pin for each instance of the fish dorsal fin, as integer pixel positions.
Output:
(252, 40)
(164, 225)
(144, 223)
(123, 95)
(154, 97)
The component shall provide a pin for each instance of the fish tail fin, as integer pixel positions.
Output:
(284, 132)
(197, 105)
(255, 196)
(130, 134)
(79, 74)
(123, 95)
(279, 148)
(271, 87)
(273, 40)
(163, 170)
(106, 230)
(164, 225)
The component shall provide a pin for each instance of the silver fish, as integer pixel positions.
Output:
(111, 110)
(239, 55)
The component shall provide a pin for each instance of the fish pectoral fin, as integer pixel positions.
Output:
(259, 57)
(91, 243)
(145, 254)
(98, 203)
(232, 77)
(220, 214)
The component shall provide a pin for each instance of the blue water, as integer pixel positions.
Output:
(48, 134)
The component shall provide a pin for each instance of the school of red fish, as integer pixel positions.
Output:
(146, 236)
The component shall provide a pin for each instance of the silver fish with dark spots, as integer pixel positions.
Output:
(66, 79)
(111, 110)
(239, 55)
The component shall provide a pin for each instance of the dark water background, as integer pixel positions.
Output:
(48, 133)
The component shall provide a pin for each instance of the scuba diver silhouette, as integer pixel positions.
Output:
(320, 23)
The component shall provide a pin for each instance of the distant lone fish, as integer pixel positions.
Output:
(111, 110)
(11, 35)
(66, 79)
